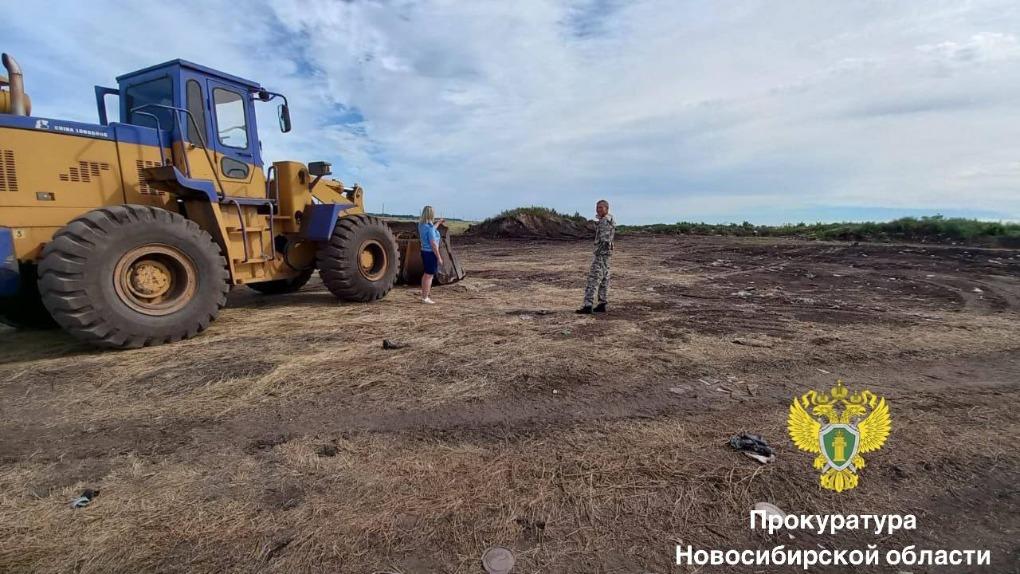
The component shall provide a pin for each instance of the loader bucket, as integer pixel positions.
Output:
(409, 245)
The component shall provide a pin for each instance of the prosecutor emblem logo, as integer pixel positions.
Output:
(839, 427)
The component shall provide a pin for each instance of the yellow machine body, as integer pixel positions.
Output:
(52, 171)
(48, 178)
(130, 233)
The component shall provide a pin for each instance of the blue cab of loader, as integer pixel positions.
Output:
(131, 233)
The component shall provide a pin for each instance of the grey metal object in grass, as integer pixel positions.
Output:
(498, 560)
(86, 497)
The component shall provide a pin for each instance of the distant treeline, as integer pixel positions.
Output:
(934, 229)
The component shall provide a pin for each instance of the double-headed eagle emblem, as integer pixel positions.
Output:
(840, 442)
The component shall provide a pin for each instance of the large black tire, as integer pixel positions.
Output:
(360, 261)
(131, 276)
(281, 286)
(25, 310)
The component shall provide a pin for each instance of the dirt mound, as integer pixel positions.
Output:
(528, 225)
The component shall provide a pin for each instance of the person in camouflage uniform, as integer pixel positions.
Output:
(598, 275)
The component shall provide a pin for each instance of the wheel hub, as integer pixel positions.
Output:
(367, 260)
(372, 260)
(149, 279)
(155, 279)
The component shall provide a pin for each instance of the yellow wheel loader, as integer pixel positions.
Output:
(131, 233)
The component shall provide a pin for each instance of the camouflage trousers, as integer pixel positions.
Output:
(598, 279)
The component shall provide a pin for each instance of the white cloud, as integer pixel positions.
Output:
(978, 49)
(672, 109)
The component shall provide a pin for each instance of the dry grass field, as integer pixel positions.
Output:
(286, 439)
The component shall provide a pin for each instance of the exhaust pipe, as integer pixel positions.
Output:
(19, 101)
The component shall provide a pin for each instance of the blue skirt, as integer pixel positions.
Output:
(430, 262)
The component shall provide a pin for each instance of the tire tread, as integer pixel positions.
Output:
(61, 279)
(338, 265)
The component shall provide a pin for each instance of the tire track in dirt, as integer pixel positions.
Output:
(987, 379)
(988, 294)
(502, 415)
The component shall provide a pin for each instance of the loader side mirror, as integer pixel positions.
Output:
(284, 112)
(320, 168)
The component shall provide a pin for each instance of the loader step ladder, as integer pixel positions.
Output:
(244, 230)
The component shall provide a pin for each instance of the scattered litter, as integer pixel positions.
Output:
(390, 345)
(86, 497)
(735, 387)
(498, 560)
(529, 312)
(836, 275)
(769, 509)
(743, 293)
(753, 446)
(556, 392)
(752, 342)
(650, 289)
(978, 290)
(929, 276)
(760, 458)
(810, 275)
(822, 371)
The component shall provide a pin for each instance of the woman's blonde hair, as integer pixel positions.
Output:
(427, 214)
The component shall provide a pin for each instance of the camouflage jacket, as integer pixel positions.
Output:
(605, 231)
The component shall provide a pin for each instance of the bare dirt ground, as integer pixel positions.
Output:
(285, 439)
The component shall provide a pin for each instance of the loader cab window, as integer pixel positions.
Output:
(159, 91)
(231, 127)
(233, 168)
(196, 108)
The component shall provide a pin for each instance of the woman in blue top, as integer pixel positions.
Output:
(428, 232)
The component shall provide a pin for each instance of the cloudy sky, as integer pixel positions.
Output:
(775, 111)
